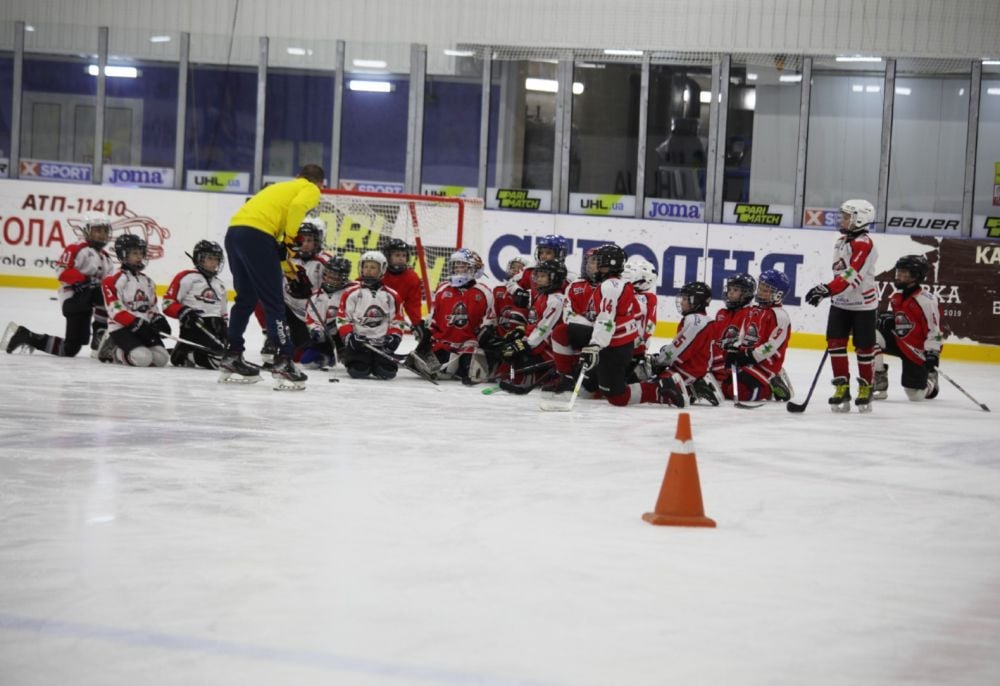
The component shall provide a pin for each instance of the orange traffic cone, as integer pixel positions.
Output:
(679, 502)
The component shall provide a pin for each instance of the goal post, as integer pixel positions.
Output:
(433, 226)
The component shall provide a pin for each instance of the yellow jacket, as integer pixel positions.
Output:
(279, 209)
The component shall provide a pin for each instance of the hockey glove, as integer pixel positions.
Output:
(188, 316)
(816, 294)
(740, 358)
(514, 334)
(160, 324)
(316, 336)
(299, 285)
(391, 341)
(516, 348)
(521, 298)
(144, 331)
(931, 360)
(589, 356)
(356, 342)
(886, 323)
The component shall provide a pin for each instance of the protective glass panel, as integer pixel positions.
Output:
(986, 207)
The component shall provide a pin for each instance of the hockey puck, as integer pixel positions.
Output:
(334, 380)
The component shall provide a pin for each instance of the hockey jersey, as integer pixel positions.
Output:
(917, 323)
(546, 311)
(580, 307)
(509, 315)
(765, 335)
(128, 297)
(690, 351)
(727, 330)
(80, 262)
(853, 285)
(617, 309)
(458, 314)
(327, 305)
(190, 288)
(313, 268)
(372, 313)
(647, 319)
(410, 289)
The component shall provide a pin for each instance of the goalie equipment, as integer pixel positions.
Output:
(693, 297)
(740, 290)
(553, 243)
(610, 261)
(372, 275)
(393, 246)
(855, 216)
(772, 287)
(96, 230)
(203, 249)
(314, 228)
(549, 276)
(126, 246)
(464, 267)
(915, 267)
(641, 273)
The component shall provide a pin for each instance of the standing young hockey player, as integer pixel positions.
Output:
(760, 351)
(197, 298)
(326, 346)
(82, 266)
(462, 321)
(402, 278)
(854, 303)
(370, 315)
(911, 332)
(259, 237)
(689, 354)
(134, 319)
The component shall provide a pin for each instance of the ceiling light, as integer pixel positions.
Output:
(989, 63)
(459, 53)
(873, 89)
(159, 39)
(857, 88)
(549, 86)
(298, 52)
(993, 91)
(790, 78)
(623, 53)
(115, 72)
(705, 97)
(370, 86)
(371, 64)
(751, 76)
(902, 90)
(30, 29)
(857, 58)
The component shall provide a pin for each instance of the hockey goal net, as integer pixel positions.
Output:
(434, 227)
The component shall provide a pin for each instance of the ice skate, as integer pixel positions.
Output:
(105, 350)
(234, 369)
(781, 387)
(267, 354)
(880, 390)
(705, 389)
(840, 401)
(671, 391)
(425, 365)
(16, 337)
(932, 385)
(286, 375)
(864, 399)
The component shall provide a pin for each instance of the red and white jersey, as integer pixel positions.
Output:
(546, 311)
(617, 320)
(726, 331)
(509, 315)
(328, 305)
(691, 350)
(917, 323)
(765, 335)
(853, 286)
(314, 271)
(370, 313)
(191, 289)
(458, 314)
(410, 289)
(80, 262)
(647, 319)
(128, 297)
(580, 307)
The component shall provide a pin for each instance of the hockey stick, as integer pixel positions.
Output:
(549, 405)
(212, 336)
(326, 334)
(964, 392)
(801, 407)
(736, 395)
(545, 364)
(386, 356)
(192, 344)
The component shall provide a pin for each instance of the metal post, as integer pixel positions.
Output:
(805, 99)
(258, 139)
(484, 121)
(640, 162)
(971, 147)
(888, 101)
(14, 166)
(182, 80)
(718, 111)
(333, 173)
(415, 118)
(563, 128)
(97, 175)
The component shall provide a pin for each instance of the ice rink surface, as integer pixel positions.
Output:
(159, 528)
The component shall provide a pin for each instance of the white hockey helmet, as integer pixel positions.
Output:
(372, 256)
(472, 271)
(861, 214)
(96, 220)
(640, 272)
(526, 262)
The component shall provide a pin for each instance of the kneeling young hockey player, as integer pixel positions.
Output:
(688, 355)
(370, 322)
(197, 299)
(326, 346)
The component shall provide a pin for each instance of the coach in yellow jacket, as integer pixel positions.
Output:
(257, 240)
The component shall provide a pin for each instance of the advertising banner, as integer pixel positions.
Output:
(136, 177)
(924, 223)
(821, 218)
(51, 170)
(674, 210)
(449, 191)
(519, 199)
(217, 181)
(371, 186)
(986, 225)
(602, 204)
(757, 214)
